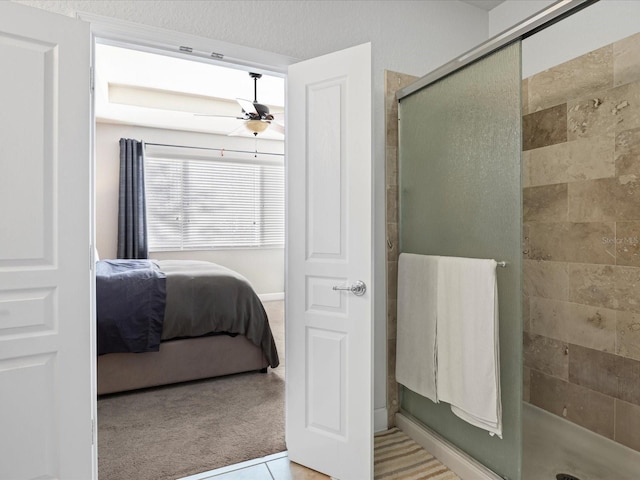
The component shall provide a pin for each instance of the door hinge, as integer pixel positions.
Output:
(93, 431)
(92, 79)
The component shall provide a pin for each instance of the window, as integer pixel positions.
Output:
(204, 204)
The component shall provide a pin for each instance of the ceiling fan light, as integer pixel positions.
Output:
(256, 126)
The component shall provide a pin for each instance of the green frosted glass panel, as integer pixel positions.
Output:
(460, 195)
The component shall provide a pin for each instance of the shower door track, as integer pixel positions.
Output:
(533, 24)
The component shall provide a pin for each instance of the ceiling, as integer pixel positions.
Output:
(139, 88)
(484, 4)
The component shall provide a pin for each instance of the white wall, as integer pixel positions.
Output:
(595, 26)
(264, 268)
(411, 37)
(511, 12)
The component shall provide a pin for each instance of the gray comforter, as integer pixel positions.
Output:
(205, 298)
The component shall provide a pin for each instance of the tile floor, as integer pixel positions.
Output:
(273, 467)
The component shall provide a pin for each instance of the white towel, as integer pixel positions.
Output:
(468, 368)
(416, 336)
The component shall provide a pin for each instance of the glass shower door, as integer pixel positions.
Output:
(460, 195)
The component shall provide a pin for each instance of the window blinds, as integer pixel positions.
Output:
(198, 204)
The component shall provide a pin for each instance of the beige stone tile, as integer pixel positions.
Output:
(392, 280)
(391, 361)
(526, 384)
(526, 316)
(593, 200)
(392, 204)
(545, 279)
(545, 203)
(593, 285)
(628, 243)
(593, 327)
(546, 355)
(572, 242)
(605, 113)
(391, 133)
(393, 389)
(543, 128)
(627, 153)
(391, 166)
(627, 288)
(627, 424)
(394, 81)
(578, 77)
(577, 404)
(626, 61)
(627, 106)
(605, 199)
(391, 112)
(392, 319)
(393, 240)
(595, 370)
(584, 159)
(284, 469)
(526, 169)
(628, 380)
(588, 117)
(548, 318)
(628, 334)
(626, 192)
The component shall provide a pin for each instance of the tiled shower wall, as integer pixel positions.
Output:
(581, 207)
(393, 82)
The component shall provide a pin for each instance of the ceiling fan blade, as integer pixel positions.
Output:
(278, 116)
(247, 106)
(219, 116)
(276, 127)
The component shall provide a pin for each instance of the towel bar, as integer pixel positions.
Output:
(502, 264)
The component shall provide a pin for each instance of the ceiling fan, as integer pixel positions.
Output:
(256, 116)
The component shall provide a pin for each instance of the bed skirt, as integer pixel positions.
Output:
(178, 361)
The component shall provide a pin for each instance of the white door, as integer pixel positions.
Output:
(45, 278)
(329, 333)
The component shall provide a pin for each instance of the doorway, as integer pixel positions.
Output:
(135, 99)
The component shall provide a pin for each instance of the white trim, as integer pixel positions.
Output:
(168, 42)
(271, 297)
(380, 420)
(463, 465)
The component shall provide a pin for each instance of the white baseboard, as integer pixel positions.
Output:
(271, 297)
(380, 420)
(451, 456)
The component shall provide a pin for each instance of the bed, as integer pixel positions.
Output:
(168, 321)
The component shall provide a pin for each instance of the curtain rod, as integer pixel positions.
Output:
(222, 150)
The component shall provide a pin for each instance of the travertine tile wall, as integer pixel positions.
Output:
(393, 82)
(581, 207)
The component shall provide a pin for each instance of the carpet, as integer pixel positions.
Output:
(398, 457)
(174, 431)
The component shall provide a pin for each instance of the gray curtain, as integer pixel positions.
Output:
(132, 209)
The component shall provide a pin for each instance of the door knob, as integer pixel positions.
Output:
(358, 288)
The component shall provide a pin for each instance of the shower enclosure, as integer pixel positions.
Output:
(581, 212)
(559, 200)
(459, 159)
